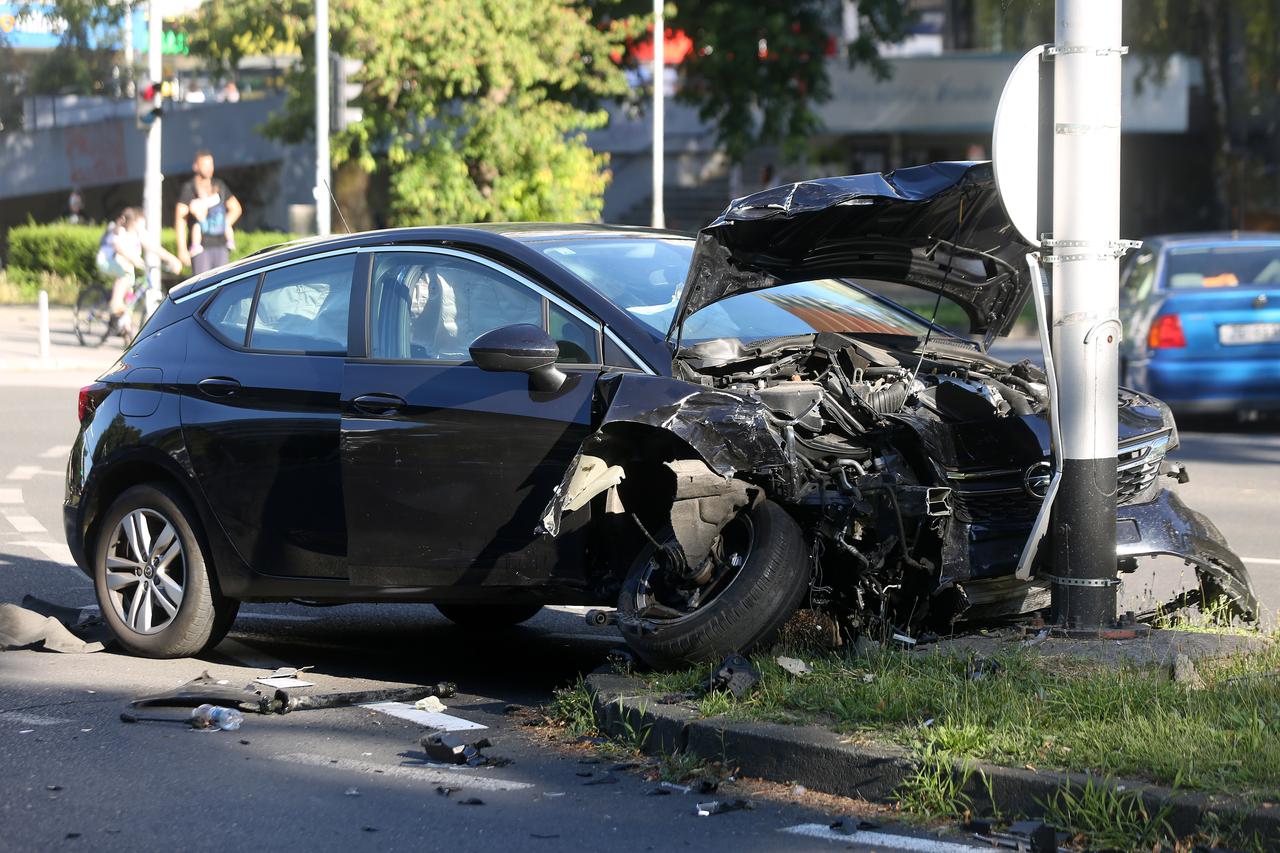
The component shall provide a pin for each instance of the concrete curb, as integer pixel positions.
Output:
(819, 759)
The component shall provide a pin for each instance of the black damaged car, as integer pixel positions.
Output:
(704, 434)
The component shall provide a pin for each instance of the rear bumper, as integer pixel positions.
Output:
(1210, 385)
(74, 531)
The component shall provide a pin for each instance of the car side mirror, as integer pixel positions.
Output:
(521, 348)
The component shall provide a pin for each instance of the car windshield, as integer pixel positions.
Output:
(1236, 265)
(644, 277)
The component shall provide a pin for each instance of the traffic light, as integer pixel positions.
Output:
(149, 103)
(344, 92)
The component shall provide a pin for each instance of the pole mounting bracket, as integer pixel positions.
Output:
(1085, 582)
(1105, 250)
(1065, 49)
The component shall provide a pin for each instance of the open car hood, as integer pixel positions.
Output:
(939, 227)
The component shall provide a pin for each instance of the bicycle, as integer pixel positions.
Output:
(93, 320)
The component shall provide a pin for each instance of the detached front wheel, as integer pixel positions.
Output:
(754, 579)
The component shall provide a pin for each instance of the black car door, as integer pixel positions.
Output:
(447, 467)
(260, 413)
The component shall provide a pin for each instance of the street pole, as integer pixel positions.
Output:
(152, 176)
(322, 118)
(1084, 255)
(657, 218)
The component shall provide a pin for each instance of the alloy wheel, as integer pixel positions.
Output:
(145, 571)
(659, 595)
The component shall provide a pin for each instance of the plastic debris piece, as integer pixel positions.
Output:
(721, 807)
(471, 801)
(679, 789)
(215, 718)
(446, 790)
(982, 668)
(430, 703)
(799, 790)
(459, 748)
(368, 829)
(50, 627)
(794, 666)
(538, 835)
(585, 774)
(851, 825)
(53, 787)
(736, 675)
(553, 793)
(352, 792)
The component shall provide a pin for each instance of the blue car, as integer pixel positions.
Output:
(1202, 321)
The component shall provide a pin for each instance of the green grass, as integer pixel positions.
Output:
(1101, 818)
(1038, 711)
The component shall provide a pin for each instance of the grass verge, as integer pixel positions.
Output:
(1022, 709)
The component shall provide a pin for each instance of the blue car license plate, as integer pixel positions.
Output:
(1240, 334)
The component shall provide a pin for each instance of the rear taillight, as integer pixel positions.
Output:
(90, 396)
(1166, 333)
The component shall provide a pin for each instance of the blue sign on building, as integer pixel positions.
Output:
(41, 29)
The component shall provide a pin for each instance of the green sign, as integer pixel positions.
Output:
(172, 43)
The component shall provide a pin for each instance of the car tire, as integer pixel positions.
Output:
(488, 615)
(137, 539)
(748, 613)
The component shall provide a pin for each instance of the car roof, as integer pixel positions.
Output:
(1209, 238)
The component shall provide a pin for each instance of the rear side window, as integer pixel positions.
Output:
(304, 307)
(1239, 265)
(228, 313)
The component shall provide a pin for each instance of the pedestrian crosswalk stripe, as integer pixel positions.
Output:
(23, 472)
(59, 452)
(22, 522)
(10, 496)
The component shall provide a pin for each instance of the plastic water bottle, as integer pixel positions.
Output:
(216, 717)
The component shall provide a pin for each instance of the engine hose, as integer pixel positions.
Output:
(887, 399)
(902, 528)
(1016, 401)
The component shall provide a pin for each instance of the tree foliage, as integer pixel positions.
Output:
(76, 66)
(475, 109)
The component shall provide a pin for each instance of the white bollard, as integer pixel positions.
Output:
(44, 325)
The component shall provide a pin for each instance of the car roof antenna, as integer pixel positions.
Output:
(337, 206)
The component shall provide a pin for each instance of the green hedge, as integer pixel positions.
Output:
(68, 250)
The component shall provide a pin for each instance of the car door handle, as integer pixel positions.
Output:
(219, 386)
(378, 404)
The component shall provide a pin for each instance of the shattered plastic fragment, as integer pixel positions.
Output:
(795, 666)
(430, 703)
(721, 807)
(459, 748)
(736, 675)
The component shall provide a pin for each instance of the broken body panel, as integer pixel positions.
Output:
(915, 467)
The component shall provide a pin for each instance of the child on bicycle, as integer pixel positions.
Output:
(120, 259)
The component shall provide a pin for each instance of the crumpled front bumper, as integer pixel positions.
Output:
(1167, 526)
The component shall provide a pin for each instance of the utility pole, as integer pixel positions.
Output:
(657, 218)
(1084, 251)
(152, 175)
(321, 191)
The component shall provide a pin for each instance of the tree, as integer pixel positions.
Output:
(475, 110)
(758, 71)
(79, 65)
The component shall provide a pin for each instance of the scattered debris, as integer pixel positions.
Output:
(431, 704)
(286, 676)
(471, 801)
(672, 786)
(53, 787)
(799, 790)
(584, 774)
(446, 790)
(736, 675)
(980, 668)
(618, 768)
(721, 807)
(794, 666)
(352, 792)
(368, 829)
(1184, 673)
(553, 793)
(456, 748)
(849, 825)
(244, 742)
(215, 718)
(39, 624)
(205, 689)
(1024, 836)
(537, 835)
(659, 792)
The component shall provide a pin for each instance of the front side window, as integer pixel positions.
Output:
(428, 306)
(304, 307)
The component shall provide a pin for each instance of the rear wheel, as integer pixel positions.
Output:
(488, 615)
(93, 316)
(152, 576)
(758, 574)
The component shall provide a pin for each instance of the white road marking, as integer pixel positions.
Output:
(59, 452)
(10, 496)
(1262, 561)
(22, 522)
(466, 778)
(880, 840)
(26, 719)
(432, 719)
(55, 552)
(23, 472)
(248, 656)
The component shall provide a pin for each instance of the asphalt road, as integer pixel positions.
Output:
(77, 777)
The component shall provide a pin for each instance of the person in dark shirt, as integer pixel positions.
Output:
(204, 218)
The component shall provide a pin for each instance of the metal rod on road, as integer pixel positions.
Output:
(1084, 251)
(153, 176)
(657, 217)
(44, 326)
(321, 191)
